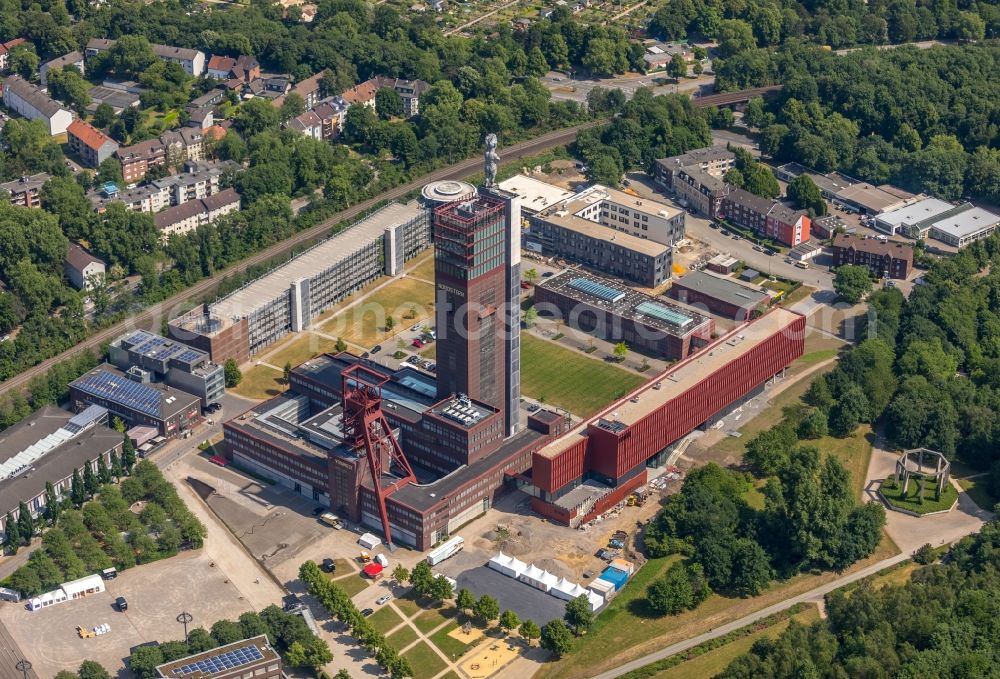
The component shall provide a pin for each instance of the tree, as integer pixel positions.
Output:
(25, 523)
(341, 345)
(529, 631)
(233, 374)
(441, 589)
(144, 660)
(68, 86)
(293, 105)
(530, 317)
(89, 479)
(388, 103)
(77, 494)
(486, 609)
(23, 60)
(806, 195)
(556, 638)
(621, 351)
(390, 323)
(116, 465)
(509, 621)
(51, 503)
(465, 601)
(128, 454)
(422, 578)
(92, 670)
(103, 473)
(400, 574)
(579, 616)
(255, 116)
(814, 425)
(104, 115)
(852, 282)
(851, 409)
(12, 536)
(531, 275)
(735, 36)
(751, 570)
(287, 371)
(677, 67)
(682, 587)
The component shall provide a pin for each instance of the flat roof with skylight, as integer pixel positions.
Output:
(535, 194)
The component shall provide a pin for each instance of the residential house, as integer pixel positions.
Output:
(97, 45)
(74, 58)
(220, 67)
(26, 191)
(192, 61)
(91, 145)
(201, 117)
(5, 49)
(308, 124)
(194, 143)
(331, 115)
(883, 259)
(210, 98)
(659, 55)
(139, 158)
(28, 101)
(246, 68)
(363, 93)
(308, 89)
(766, 217)
(81, 267)
(408, 90)
(188, 216)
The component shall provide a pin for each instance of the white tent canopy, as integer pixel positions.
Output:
(369, 541)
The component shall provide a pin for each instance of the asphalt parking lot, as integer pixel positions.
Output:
(49, 639)
(528, 602)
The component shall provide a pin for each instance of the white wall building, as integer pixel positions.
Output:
(28, 101)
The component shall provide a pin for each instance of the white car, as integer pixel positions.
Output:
(383, 599)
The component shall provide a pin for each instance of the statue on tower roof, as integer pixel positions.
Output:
(491, 160)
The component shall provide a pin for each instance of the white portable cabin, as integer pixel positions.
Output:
(369, 541)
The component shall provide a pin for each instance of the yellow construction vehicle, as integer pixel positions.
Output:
(84, 632)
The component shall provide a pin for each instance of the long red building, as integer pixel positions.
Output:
(580, 475)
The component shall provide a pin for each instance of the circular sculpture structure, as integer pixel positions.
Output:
(447, 191)
(922, 465)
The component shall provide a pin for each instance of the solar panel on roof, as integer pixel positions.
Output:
(189, 356)
(121, 390)
(223, 661)
(664, 313)
(596, 289)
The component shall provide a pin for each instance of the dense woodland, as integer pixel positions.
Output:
(944, 622)
(928, 120)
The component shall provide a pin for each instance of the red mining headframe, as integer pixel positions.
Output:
(365, 427)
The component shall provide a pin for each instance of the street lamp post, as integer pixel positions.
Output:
(184, 618)
(24, 666)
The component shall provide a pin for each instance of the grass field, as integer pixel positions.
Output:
(978, 490)
(570, 380)
(300, 349)
(429, 352)
(715, 661)
(352, 584)
(408, 604)
(432, 618)
(450, 646)
(854, 452)
(422, 267)
(385, 619)
(364, 322)
(260, 382)
(625, 629)
(892, 492)
(402, 637)
(797, 295)
(424, 661)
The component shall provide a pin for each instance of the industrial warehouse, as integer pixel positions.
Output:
(287, 299)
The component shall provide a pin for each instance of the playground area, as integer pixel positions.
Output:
(487, 659)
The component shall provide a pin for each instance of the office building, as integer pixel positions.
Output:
(535, 194)
(598, 463)
(617, 313)
(46, 447)
(170, 361)
(884, 260)
(580, 230)
(244, 659)
(966, 224)
(721, 296)
(288, 298)
(769, 218)
(132, 397)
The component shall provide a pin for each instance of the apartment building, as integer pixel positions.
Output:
(766, 217)
(26, 191)
(883, 259)
(29, 102)
(74, 59)
(188, 216)
(91, 145)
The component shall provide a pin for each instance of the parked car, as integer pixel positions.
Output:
(377, 348)
(415, 328)
(329, 566)
(368, 611)
(548, 274)
(383, 599)
(534, 407)
(724, 232)
(121, 604)
(525, 285)
(418, 344)
(291, 603)
(215, 459)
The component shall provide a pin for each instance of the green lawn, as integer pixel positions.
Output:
(352, 584)
(364, 323)
(422, 267)
(385, 619)
(450, 646)
(854, 452)
(978, 490)
(569, 379)
(432, 618)
(715, 661)
(424, 661)
(260, 382)
(892, 492)
(300, 349)
(402, 637)
(408, 604)
(797, 295)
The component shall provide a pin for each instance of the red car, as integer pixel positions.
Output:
(525, 285)
(215, 459)
(418, 344)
